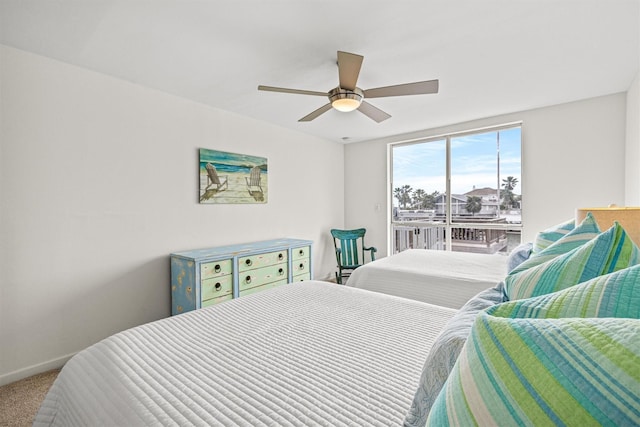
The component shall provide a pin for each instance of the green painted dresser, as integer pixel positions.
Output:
(203, 277)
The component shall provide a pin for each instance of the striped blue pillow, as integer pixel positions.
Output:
(585, 231)
(611, 295)
(610, 251)
(546, 237)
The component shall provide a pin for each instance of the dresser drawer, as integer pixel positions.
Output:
(262, 288)
(300, 253)
(216, 269)
(261, 276)
(300, 266)
(261, 260)
(216, 287)
(218, 300)
(301, 277)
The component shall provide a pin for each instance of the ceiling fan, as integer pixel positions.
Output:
(347, 97)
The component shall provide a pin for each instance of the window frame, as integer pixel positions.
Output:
(448, 224)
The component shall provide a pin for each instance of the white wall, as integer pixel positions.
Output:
(573, 156)
(99, 183)
(632, 169)
(632, 151)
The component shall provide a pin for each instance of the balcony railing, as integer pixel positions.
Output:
(419, 235)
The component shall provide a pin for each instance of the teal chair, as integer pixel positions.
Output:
(350, 251)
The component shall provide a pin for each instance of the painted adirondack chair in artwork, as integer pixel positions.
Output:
(253, 180)
(350, 251)
(220, 182)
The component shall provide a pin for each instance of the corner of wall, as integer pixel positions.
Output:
(632, 145)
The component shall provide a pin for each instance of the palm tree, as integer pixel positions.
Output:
(508, 198)
(430, 200)
(510, 183)
(418, 198)
(474, 204)
(403, 194)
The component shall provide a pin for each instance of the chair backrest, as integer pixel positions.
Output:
(254, 177)
(213, 174)
(350, 243)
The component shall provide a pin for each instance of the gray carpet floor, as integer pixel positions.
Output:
(19, 401)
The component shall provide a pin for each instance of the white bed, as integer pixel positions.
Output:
(447, 279)
(305, 354)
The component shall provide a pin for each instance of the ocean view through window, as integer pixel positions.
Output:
(459, 192)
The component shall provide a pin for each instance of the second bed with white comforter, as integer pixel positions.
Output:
(443, 278)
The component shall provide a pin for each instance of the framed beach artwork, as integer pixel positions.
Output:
(232, 178)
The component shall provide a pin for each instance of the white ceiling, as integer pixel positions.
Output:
(491, 56)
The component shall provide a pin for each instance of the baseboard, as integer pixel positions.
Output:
(34, 370)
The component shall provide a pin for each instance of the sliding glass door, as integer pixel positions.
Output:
(458, 192)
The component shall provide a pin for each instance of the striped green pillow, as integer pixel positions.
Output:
(585, 231)
(544, 372)
(527, 364)
(546, 237)
(610, 251)
(612, 295)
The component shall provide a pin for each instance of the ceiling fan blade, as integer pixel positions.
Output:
(374, 113)
(316, 113)
(417, 88)
(296, 91)
(348, 69)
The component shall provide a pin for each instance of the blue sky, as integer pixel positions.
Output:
(474, 162)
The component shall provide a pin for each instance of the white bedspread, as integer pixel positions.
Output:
(448, 279)
(304, 354)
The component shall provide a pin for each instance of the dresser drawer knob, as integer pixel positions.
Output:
(218, 286)
(217, 268)
(280, 256)
(301, 252)
(247, 279)
(281, 271)
(248, 262)
(301, 266)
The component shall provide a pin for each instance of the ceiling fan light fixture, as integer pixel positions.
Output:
(348, 97)
(345, 100)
